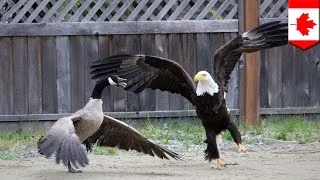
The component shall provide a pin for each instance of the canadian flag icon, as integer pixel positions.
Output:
(303, 21)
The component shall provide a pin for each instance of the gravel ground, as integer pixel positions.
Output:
(264, 160)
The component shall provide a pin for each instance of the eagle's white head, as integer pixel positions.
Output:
(206, 83)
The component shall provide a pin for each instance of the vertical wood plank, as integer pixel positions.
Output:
(161, 50)
(264, 72)
(289, 62)
(189, 57)
(175, 53)
(63, 74)
(90, 55)
(133, 47)
(315, 76)
(77, 67)
(105, 49)
(204, 52)
(35, 75)
(215, 41)
(302, 81)
(20, 78)
(274, 78)
(49, 75)
(6, 76)
(119, 95)
(232, 97)
(148, 96)
(298, 79)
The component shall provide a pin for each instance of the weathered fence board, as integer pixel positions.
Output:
(179, 114)
(314, 70)
(77, 67)
(63, 74)
(233, 95)
(49, 75)
(289, 77)
(89, 55)
(6, 76)
(35, 75)
(275, 78)
(20, 78)
(189, 55)
(112, 28)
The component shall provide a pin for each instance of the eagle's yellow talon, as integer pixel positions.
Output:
(241, 148)
(220, 164)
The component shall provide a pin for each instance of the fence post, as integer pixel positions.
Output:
(249, 83)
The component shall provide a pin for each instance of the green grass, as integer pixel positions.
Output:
(7, 155)
(285, 128)
(97, 150)
(187, 134)
(10, 140)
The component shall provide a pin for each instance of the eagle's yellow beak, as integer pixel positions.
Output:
(198, 77)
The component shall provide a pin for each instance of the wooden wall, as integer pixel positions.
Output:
(51, 74)
(290, 77)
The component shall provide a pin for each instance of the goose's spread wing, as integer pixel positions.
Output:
(142, 71)
(62, 139)
(114, 133)
(265, 36)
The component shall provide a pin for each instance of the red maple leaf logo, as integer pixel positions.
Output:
(303, 24)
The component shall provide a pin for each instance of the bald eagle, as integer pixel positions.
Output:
(144, 71)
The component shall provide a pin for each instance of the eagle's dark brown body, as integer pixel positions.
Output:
(215, 119)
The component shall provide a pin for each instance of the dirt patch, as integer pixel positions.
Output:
(273, 161)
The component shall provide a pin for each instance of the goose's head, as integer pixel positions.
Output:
(206, 84)
(117, 81)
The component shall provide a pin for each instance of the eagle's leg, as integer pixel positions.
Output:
(212, 151)
(235, 133)
(241, 148)
(71, 169)
(220, 164)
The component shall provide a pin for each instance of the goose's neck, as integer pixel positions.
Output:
(98, 88)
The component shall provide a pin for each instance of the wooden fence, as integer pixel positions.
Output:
(46, 48)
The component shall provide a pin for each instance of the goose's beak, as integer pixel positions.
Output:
(122, 82)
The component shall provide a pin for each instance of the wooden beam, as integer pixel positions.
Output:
(112, 28)
(251, 66)
(159, 114)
